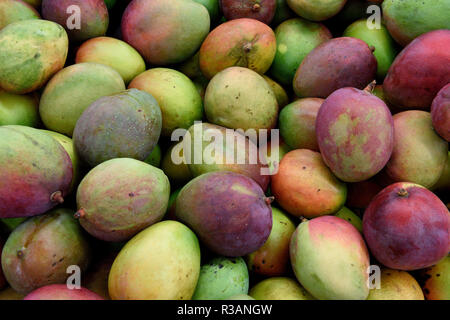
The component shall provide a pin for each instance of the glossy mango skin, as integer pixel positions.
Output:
(407, 227)
(228, 211)
(272, 259)
(317, 10)
(72, 90)
(242, 42)
(419, 71)
(124, 125)
(396, 285)
(39, 251)
(221, 278)
(330, 243)
(262, 10)
(406, 20)
(305, 186)
(15, 10)
(19, 109)
(437, 280)
(217, 161)
(335, 64)
(440, 112)
(161, 262)
(419, 153)
(32, 52)
(94, 18)
(355, 132)
(61, 292)
(34, 168)
(165, 32)
(279, 288)
(121, 197)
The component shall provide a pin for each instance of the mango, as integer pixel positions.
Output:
(10, 224)
(278, 90)
(279, 288)
(96, 278)
(406, 20)
(282, 13)
(2, 276)
(316, 10)
(204, 154)
(121, 197)
(32, 52)
(124, 125)
(39, 251)
(272, 259)
(396, 285)
(213, 8)
(10, 294)
(93, 17)
(34, 3)
(297, 123)
(114, 53)
(444, 181)
(228, 211)
(440, 112)
(295, 39)
(270, 149)
(161, 262)
(16, 10)
(330, 243)
(304, 186)
(154, 158)
(437, 281)
(72, 90)
(221, 278)
(407, 227)
(419, 71)
(242, 42)
(337, 63)
(240, 297)
(239, 98)
(36, 172)
(18, 109)
(179, 172)
(419, 154)
(355, 132)
(380, 39)
(62, 292)
(262, 10)
(176, 95)
(348, 215)
(165, 32)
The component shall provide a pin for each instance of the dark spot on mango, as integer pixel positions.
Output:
(220, 266)
(131, 194)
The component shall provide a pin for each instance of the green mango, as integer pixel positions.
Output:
(222, 278)
(18, 109)
(347, 214)
(13, 10)
(380, 39)
(279, 288)
(154, 158)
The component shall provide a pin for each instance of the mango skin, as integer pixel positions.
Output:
(242, 42)
(437, 282)
(440, 112)
(419, 71)
(278, 90)
(240, 297)
(165, 32)
(348, 215)
(18, 109)
(61, 292)
(304, 186)
(406, 20)
(32, 52)
(213, 8)
(212, 162)
(222, 278)
(228, 211)
(396, 285)
(154, 158)
(114, 53)
(39, 251)
(161, 262)
(282, 13)
(385, 48)
(10, 294)
(317, 10)
(297, 123)
(272, 259)
(419, 154)
(330, 243)
(94, 18)
(121, 197)
(407, 227)
(337, 63)
(73, 90)
(444, 181)
(279, 288)
(16, 10)
(355, 132)
(176, 95)
(239, 98)
(34, 167)
(177, 173)
(295, 39)
(262, 10)
(34, 3)
(124, 125)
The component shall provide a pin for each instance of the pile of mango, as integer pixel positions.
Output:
(105, 104)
